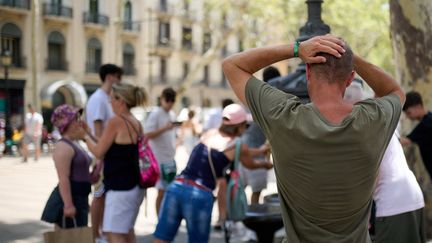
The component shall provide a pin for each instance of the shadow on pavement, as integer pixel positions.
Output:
(23, 231)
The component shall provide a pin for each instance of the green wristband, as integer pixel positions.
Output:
(296, 48)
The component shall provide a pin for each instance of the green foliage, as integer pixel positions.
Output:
(364, 24)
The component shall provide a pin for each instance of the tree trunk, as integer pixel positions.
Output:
(411, 30)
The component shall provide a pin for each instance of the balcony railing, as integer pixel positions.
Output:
(57, 66)
(92, 67)
(131, 26)
(24, 4)
(129, 70)
(95, 18)
(19, 62)
(57, 10)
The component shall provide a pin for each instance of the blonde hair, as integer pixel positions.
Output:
(131, 94)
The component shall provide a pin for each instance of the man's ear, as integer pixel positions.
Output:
(350, 79)
(308, 72)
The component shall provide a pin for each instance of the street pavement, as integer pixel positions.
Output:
(25, 187)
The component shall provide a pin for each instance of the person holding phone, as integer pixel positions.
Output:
(160, 130)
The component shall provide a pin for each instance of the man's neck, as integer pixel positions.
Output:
(328, 99)
(107, 87)
(325, 94)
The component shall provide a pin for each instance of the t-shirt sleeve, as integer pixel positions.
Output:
(267, 103)
(151, 122)
(98, 110)
(392, 108)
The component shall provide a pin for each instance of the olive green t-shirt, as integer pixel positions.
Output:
(325, 172)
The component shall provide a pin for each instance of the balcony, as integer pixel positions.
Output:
(93, 18)
(57, 10)
(19, 62)
(92, 67)
(131, 26)
(56, 66)
(129, 70)
(22, 4)
(163, 48)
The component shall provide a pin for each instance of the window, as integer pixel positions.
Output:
(127, 25)
(240, 45)
(186, 5)
(164, 33)
(206, 42)
(94, 55)
(56, 51)
(224, 51)
(186, 69)
(206, 75)
(94, 11)
(11, 40)
(128, 59)
(163, 5)
(163, 70)
(224, 81)
(187, 38)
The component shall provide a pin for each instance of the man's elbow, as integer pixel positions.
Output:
(401, 94)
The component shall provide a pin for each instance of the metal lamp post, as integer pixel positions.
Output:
(296, 82)
(6, 61)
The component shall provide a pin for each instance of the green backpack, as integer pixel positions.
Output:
(236, 197)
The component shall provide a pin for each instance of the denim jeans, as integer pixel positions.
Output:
(185, 202)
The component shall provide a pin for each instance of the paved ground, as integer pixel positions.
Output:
(25, 187)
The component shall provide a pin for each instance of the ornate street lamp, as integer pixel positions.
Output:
(6, 61)
(296, 82)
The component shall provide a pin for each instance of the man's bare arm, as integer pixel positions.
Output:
(240, 67)
(381, 83)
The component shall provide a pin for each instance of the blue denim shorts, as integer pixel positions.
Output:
(185, 202)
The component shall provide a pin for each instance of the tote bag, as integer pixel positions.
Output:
(71, 235)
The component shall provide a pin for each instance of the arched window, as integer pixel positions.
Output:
(128, 59)
(94, 55)
(56, 51)
(11, 37)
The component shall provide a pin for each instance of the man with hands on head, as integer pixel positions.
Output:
(327, 152)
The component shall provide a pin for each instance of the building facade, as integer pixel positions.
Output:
(57, 46)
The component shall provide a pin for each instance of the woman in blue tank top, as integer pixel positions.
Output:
(118, 146)
(190, 196)
(70, 198)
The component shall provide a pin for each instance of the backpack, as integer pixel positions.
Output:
(236, 197)
(148, 165)
(149, 168)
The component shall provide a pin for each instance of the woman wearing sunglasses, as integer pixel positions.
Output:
(119, 148)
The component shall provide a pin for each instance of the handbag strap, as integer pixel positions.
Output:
(237, 153)
(211, 164)
(64, 222)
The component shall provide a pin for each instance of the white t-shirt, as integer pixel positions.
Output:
(397, 190)
(33, 124)
(98, 108)
(163, 146)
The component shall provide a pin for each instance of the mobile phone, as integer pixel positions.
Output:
(177, 123)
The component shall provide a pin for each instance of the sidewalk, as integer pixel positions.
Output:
(25, 187)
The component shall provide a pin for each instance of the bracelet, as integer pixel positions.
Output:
(69, 206)
(296, 48)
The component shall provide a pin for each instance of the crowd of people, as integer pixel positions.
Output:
(333, 157)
